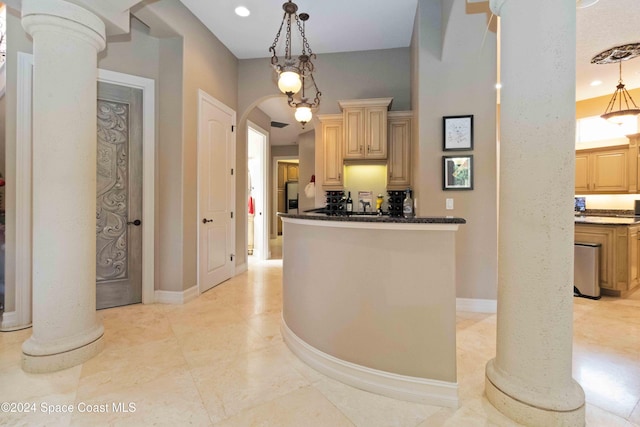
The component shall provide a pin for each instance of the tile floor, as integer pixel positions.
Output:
(220, 361)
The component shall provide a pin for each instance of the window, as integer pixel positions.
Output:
(596, 128)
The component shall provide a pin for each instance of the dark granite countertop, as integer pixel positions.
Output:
(375, 218)
(607, 217)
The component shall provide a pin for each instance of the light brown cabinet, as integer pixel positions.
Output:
(619, 255)
(607, 170)
(332, 136)
(399, 138)
(365, 128)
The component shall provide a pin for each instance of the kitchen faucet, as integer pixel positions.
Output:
(365, 204)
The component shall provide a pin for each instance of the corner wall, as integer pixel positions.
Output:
(208, 65)
(454, 73)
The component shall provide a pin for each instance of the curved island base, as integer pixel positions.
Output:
(370, 302)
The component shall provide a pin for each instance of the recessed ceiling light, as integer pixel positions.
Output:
(596, 83)
(498, 85)
(242, 11)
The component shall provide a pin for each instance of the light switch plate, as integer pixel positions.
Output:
(449, 204)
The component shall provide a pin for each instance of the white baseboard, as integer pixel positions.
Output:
(241, 268)
(402, 387)
(176, 297)
(9, 322)
(476, 305)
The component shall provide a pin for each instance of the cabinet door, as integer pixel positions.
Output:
(634, 270)
(582, 173)
(354, 133)
(292, 172)
(332, 148)
(399, 166)
(610, 171)
(376, 133)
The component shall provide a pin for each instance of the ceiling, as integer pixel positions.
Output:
(331, 26)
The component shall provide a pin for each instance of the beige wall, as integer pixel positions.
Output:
(373, 306)
(208, 65)
(183, 58)
(455, 72)
(596, 106)
(351, 75)
(307, 157)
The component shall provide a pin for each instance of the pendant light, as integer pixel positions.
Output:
(295, 73)
(621, 106)
(621, 115)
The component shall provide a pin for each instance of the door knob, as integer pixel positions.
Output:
(137, 222)
(205, 220)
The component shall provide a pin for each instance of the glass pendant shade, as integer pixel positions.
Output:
(289, 82)
(621, 117)
(303, 114)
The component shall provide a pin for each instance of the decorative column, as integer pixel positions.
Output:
(530, 378)
(66, 40)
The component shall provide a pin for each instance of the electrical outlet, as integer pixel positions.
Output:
(449, 204)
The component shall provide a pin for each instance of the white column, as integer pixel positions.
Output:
(66, 40)
(530, 378)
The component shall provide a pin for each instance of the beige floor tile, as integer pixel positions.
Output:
(219, 345)
(303, 407)
(635, 415)
(52, 410)
(10, 355)
(597, 417)
(366, 409)
(248, 380)
(267, 325)
(15, 337)
(117, 369)
(19, 386)
(221, 359)
(169, 400)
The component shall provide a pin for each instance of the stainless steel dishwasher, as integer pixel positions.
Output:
(586, 270)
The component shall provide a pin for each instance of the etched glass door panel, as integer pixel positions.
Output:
(119, 196)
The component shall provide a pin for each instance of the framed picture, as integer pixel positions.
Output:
(457, 133)
(457, 172)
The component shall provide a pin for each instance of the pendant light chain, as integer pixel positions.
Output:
(295, 73)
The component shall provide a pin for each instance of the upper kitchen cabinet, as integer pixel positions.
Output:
(365, 128)
(399, 163)
(607, 170)
(332, 134)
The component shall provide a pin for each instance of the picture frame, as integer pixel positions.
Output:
(457, 133)
(457, 172)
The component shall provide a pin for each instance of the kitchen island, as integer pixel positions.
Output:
(371, 302)
(619, 257)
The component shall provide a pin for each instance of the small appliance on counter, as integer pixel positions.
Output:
(580, 205)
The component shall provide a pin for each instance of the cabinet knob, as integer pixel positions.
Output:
(361, 148)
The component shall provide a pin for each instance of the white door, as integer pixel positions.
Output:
(257, 147)
(216, 192)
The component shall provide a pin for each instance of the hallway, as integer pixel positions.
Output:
(220, 360)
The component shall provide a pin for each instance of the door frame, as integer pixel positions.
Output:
(274, 190)
(266, 253)
(21, 317)
(204, 96)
